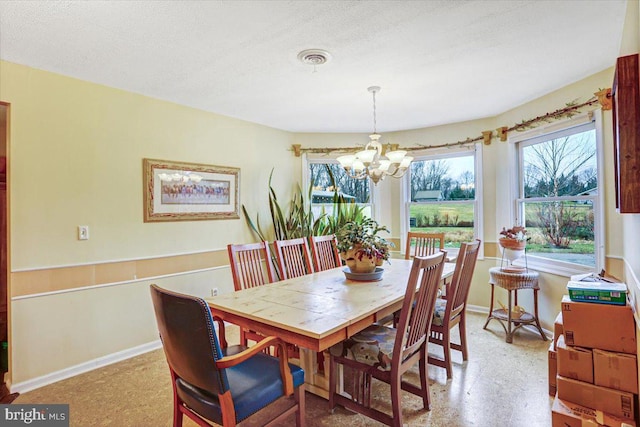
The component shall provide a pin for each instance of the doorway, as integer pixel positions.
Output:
(5, 396)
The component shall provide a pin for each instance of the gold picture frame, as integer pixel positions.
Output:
(180, 191)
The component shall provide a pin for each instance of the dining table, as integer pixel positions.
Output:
(318, 310)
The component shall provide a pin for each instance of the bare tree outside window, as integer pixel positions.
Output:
(358, 188)
(559, 185)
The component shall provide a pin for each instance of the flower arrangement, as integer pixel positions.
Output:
(515, 233)
(359, 241)
(513, 238)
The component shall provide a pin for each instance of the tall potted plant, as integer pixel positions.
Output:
(361, 247)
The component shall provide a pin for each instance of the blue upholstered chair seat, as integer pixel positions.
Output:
(255, 382)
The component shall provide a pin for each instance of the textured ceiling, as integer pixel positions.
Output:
(437, 61)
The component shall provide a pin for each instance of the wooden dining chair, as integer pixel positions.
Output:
(293, 258)
(386, 353)
(251, 266)
(325, 252)
(451, 309)
(423, 244)
(215, 383)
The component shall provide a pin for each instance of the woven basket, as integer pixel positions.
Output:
(512, 243)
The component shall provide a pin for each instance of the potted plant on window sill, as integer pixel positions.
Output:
(361, 247)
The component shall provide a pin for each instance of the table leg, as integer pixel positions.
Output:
(535, 310)
(509, 333)
(490, 308)
(317, 382)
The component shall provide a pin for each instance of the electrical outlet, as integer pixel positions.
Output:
(83, 232)
(214, 292)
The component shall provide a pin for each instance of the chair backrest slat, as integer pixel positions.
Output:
(415, 319)
(189, 339)
(293, 257)
(325, 252)
(423, 244)
(251, 265)
(462, 275)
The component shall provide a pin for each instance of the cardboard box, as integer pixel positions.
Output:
(614, 402)
(569, 414)
(615, 370)
(553, 370)
(557, 329)
(603, 326)
(575, 362)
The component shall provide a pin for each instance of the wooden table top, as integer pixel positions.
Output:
(317, 310)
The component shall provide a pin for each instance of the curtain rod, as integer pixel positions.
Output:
(603, 96)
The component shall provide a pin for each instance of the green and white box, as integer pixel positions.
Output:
(599, 292)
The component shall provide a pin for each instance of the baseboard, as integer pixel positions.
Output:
(81, 368)
(477, 309)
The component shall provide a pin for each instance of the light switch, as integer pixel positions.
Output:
(83, 232)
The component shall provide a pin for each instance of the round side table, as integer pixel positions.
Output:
(512, 282)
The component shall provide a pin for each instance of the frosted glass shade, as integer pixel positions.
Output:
(384, 165)
(366, 156)
(346, 161)
(396, 156)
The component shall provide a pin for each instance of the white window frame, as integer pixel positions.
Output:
(571, 126)
(439, 154)
(308, 158)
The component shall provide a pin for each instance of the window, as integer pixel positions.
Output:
(443, 192)
(358, 191)
(558, 197)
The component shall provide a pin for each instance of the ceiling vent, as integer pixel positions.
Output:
(314, 57)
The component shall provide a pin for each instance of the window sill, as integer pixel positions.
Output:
(558, 268)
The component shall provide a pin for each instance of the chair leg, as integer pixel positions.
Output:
(177, 416)
(366, 389)
(424, 381)
(300, 399)
(462, 328)
(446, 349)
(395, 401)
(177, 404)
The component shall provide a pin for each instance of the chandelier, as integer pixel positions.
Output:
(370, 162)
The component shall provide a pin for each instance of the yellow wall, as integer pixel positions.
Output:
(76, 159)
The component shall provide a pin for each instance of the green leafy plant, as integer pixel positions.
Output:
(298, 221)
(362, 237)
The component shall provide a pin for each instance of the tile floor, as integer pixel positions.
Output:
(501, 385)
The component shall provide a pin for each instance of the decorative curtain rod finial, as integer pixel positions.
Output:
(605, 98)
(486, 136)
(502, 133)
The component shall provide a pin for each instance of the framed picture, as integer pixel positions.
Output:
(178, 191)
